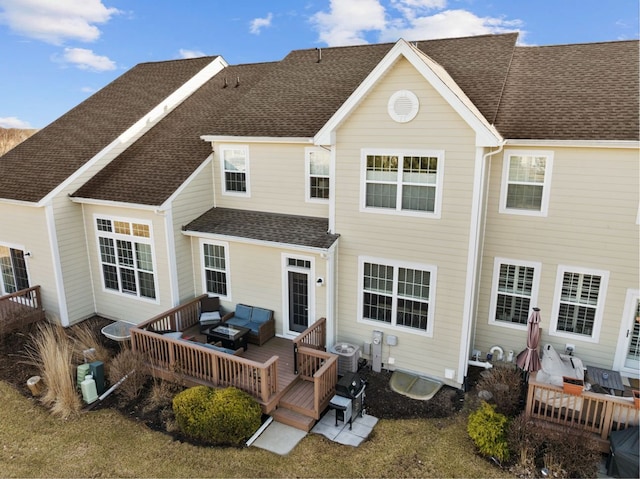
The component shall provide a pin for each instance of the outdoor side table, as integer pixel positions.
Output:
(606, 378)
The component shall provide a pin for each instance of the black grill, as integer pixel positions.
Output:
(349, 399)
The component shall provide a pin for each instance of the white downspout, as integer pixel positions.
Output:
(474, 262)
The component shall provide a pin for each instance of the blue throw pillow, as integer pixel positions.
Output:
(260, 315)
(243, 312)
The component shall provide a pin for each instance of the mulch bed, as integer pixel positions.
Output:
(381, 401)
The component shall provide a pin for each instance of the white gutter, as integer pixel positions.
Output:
(473, 263)
(256, 139)
(270, 244)
(116, 204)
(576, 143)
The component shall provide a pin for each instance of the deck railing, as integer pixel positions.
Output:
(592, 412)
(191, 363)
(321, 368)
(314, 337)
(20, 309)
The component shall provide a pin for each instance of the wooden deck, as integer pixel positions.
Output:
(20, 309)
(277, 369)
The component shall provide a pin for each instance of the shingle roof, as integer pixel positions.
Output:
(270, 227)
(151, 169)
(36, 166)
(572, 92)
(576, 92)
(294, 97)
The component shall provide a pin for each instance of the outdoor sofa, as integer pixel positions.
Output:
(259, 320)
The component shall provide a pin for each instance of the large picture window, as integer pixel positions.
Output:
(318, 178)
(402, 181)
(579, 302)
(397, 294)
(514, 291)
(13, 270)
(235, 169)
(526, 182)
(126, 257)
(216, 269)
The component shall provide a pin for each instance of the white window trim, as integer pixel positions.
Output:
(26, 263)
(398, 211)
(203, 272)
(537, 270)
(432, 269)
(311, 292)
(133, 239)
(604, 282)
(307, 174)
(546, 186)
(221, 149)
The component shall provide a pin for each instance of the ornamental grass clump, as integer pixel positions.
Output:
(52, 352)
(217, 416)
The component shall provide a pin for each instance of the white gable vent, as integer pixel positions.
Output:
(403, 106)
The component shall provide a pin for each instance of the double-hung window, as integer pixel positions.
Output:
(126, 257)
(216, 268)
(397, 294)
(234, 161)
(526, 182)
(13, 270)
(318, 177)
(514, 291)
(403, 181)
(579, 303)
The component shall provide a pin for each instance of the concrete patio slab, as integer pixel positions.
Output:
(360, 429)
(279, 438)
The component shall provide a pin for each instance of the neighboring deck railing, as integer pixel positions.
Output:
(20, 309)
(191, 363)
(321, 368)
(592, 412)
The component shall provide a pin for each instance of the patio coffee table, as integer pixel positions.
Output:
(606, 378)
(231, 337)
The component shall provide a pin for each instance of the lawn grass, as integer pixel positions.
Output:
(106, 444)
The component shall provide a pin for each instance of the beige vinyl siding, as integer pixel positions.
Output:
(442, 242)
(592, 223)
(192, 201)
(74, 262)
(277, 181)
(25, 227)
(114, 305)
(256, 278)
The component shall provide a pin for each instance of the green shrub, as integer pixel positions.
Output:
(217, 416)
(488, 430)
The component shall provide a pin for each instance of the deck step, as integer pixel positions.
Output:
(293, 419)
(299, 398)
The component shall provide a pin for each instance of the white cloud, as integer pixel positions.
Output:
(349, 23)
(191, 53)
(257, 24)
(87, 60)
(88, 89)
(55, 21)
(447, 24)
(13, 122)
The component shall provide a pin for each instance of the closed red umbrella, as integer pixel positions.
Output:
(529, 359)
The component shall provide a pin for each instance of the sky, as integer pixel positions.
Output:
(56, 53)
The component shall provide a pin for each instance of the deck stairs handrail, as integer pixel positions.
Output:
(321, 368)
(21, 308)
(593, 412)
